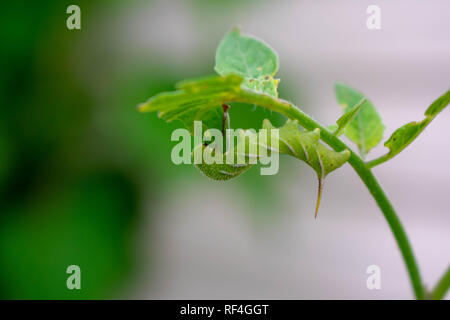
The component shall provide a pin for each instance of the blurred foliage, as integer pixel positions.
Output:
(87, 223)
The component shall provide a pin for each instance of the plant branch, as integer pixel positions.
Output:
(361, 169)
(379, 160)
(442, 286)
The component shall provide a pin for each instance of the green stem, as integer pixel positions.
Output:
(361, 169)
(379, 160)
(442, 286)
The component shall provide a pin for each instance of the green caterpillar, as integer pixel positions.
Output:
(303, 145)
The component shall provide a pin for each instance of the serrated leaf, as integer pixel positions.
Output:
(347, 117)
(250, 58)
(305, 145)
(211, 83)
(406, 134)
(196, 99)
(366, 129)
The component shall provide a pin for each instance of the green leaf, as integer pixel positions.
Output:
(438, 105)
(406, 134)
(196, 99)
(366, 129)
(250, 58)
(304, 145)
(347, 117)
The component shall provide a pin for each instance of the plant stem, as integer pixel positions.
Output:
(361, 169)
(379, 160)
(442, 286)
